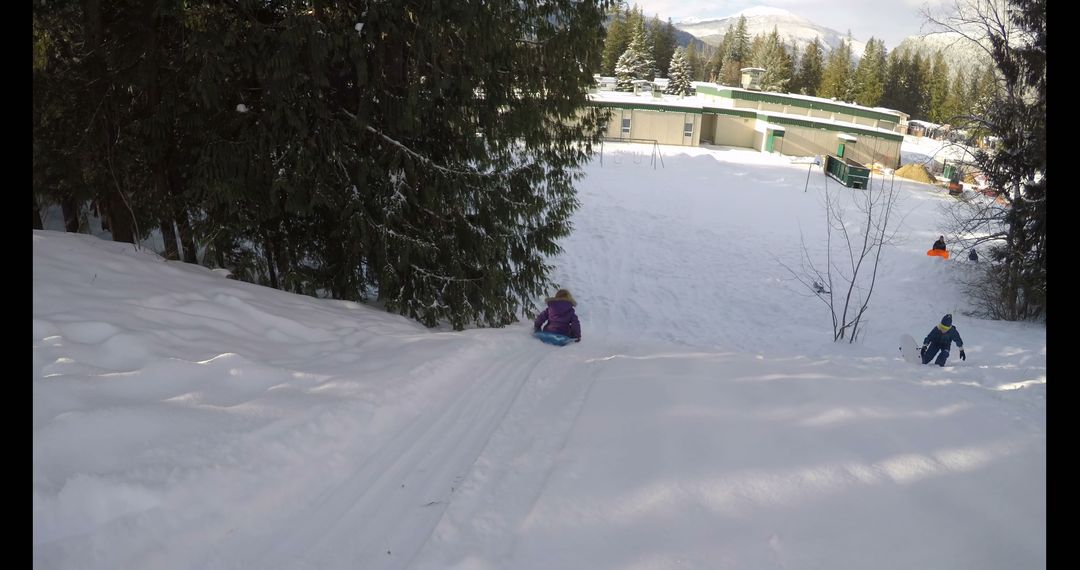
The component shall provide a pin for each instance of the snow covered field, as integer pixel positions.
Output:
(184, 420)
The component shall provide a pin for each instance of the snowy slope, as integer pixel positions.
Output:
(185, 420)
(960, 53)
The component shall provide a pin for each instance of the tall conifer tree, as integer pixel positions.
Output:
(636, 62)
(421, 152)
(679, 80)
(810, 68)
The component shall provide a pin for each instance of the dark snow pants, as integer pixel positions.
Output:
(933, 349)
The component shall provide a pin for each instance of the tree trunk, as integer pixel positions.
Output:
(281, 256)
(176, 199)
(281, 252)
(161, 188)
(219, 253)
(166, 182)
(119, 215)
(169, 235)
(268, 251)
(71, 214)
(38, 225)
(120, 222)
(1012, 245)
(335, 256)
(187, 236)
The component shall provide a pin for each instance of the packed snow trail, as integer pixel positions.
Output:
(403, 485)
(381, 464)
(512, 472)
(757, 501)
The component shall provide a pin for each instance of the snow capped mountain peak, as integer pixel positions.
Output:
(763, 11)
(792, 28)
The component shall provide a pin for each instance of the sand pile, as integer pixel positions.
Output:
(915, 171)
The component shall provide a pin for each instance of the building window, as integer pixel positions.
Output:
(626, 126)
(688, 129)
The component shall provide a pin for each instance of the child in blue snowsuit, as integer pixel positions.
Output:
(939, 340)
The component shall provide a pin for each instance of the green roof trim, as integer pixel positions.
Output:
(733, 112)
(781, 99)
(646, 106)
(746, 114)
(708, 90)
(649, 106)
(832, 127)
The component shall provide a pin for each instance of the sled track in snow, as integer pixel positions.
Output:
(513, 470)
(380, 515)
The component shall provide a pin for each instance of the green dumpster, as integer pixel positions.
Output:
(847, 172)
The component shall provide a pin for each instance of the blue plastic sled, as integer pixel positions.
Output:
(553, 338)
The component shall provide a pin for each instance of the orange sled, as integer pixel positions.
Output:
(938, 253)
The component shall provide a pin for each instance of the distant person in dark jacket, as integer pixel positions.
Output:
(939, 340)
(973, 256)
(559, 316)
(940, 243)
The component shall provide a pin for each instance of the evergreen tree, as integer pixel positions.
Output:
(915, 84)
(771, 55)
(737, 51)
(694, 63)
(423, 152)
(811, 68)
(731, 72)
(794, 57)
(1014, 284)
(679, 79)
(926, 66)
(836, 78)
(740, 41)
(619, 33)
(911, 85)
(893, 95)
(57, 109)
(715, 67)
(663, 45)
(757, 47)
(957, 102)
(635, 63)
(983, 91)
(938, 89)
(85, 71)
(870, 74)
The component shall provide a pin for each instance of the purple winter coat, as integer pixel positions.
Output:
(560, 317)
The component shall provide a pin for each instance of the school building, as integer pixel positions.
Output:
(795, 125)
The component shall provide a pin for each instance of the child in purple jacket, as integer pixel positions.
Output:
(559, 316)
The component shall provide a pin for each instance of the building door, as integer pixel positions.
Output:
(708, 128)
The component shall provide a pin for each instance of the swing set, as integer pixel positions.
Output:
(639, 155)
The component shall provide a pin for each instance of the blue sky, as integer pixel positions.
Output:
(891, 21)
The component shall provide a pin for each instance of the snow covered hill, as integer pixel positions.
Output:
(185, 420)
(761, 20)
(959, 52)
